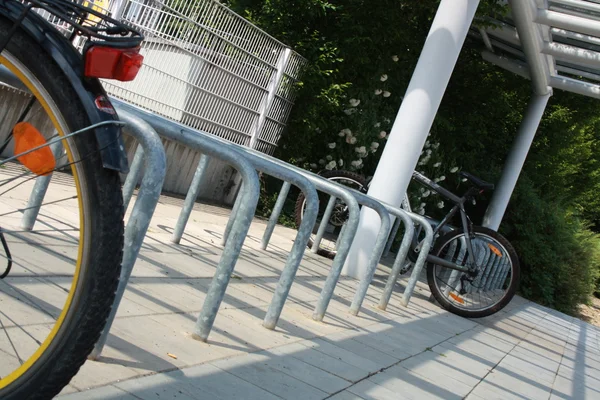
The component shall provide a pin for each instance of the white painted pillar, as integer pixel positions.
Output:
(407, 137)
(515, 160)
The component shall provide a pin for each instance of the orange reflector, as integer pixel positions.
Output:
(495, 250)
(41, 161)
(457, 298)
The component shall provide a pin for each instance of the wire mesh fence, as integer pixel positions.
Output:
(210, 69)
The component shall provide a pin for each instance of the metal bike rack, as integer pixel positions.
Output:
(190, 199)
(298, 177)
(283, 193)
(151, 151)
(204, 324)
(239, 227)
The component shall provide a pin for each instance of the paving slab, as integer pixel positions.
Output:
(415, 352)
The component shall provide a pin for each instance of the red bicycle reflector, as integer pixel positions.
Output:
(27, 137)
(113, 63)
(103, 104)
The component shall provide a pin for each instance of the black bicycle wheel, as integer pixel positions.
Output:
(55, 300)
(327, 248)
(494, 285)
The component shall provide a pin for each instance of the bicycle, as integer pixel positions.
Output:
(472, 271)
(59, 280)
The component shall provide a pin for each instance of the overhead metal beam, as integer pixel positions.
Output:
(564, 21)
(506, 63)
(523, 13)
(575, 36)
(576, 86)
(573, 54)
(578, 72)
(583, 5)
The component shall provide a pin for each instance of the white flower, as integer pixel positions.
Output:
(331, 145)
(349, 111)
(386, 94)
(435, 146)
(426, 193)
(383, 78)
(428, 151)
(387, 120)
(463, 180)
(356, 163)
(422, 205)
(341, 162)
(317, 130)
(421, 189)
(424, 160)
(437, 164)
(377, 125)
(453, 170)
(421, 211)
(352, 140)
(442, 178)
(341, 133)
(329, 158)
(474, 201)
(354, 102)
(360, 150)
(346, 132)
(313, 165)
(440, 204)
(374, 145)
(395, 58)
(378, 92)
(331, 165)
(382, 134)
(427, 144)
(321, 161)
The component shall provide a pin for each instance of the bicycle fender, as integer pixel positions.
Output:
(90, 90)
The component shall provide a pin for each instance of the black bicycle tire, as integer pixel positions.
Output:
(100, 268)
(510, 293)
(300, 204)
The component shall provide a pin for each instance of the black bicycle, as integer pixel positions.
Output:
(472, 271)
(58, 280)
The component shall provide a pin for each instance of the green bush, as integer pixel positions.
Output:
(560, 256)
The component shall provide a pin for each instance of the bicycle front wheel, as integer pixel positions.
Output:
(497, 273)
(59, 278)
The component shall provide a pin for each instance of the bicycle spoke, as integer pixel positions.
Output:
(3, 327)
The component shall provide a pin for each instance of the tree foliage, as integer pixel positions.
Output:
(350, 44)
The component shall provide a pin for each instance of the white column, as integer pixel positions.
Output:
(515, 160)
(414, 119)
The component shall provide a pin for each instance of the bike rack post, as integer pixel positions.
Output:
(137, 225)
(488, 261)
(423, 252)
(400, 257)
(375, 256)
(232, 216)
(502, 274)
(454, 274)
(38, 193)
(190, 199)
(283, 193)
(390, 242)
(133, 176)
(323, 225)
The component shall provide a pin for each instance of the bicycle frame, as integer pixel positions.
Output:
(459, 205)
